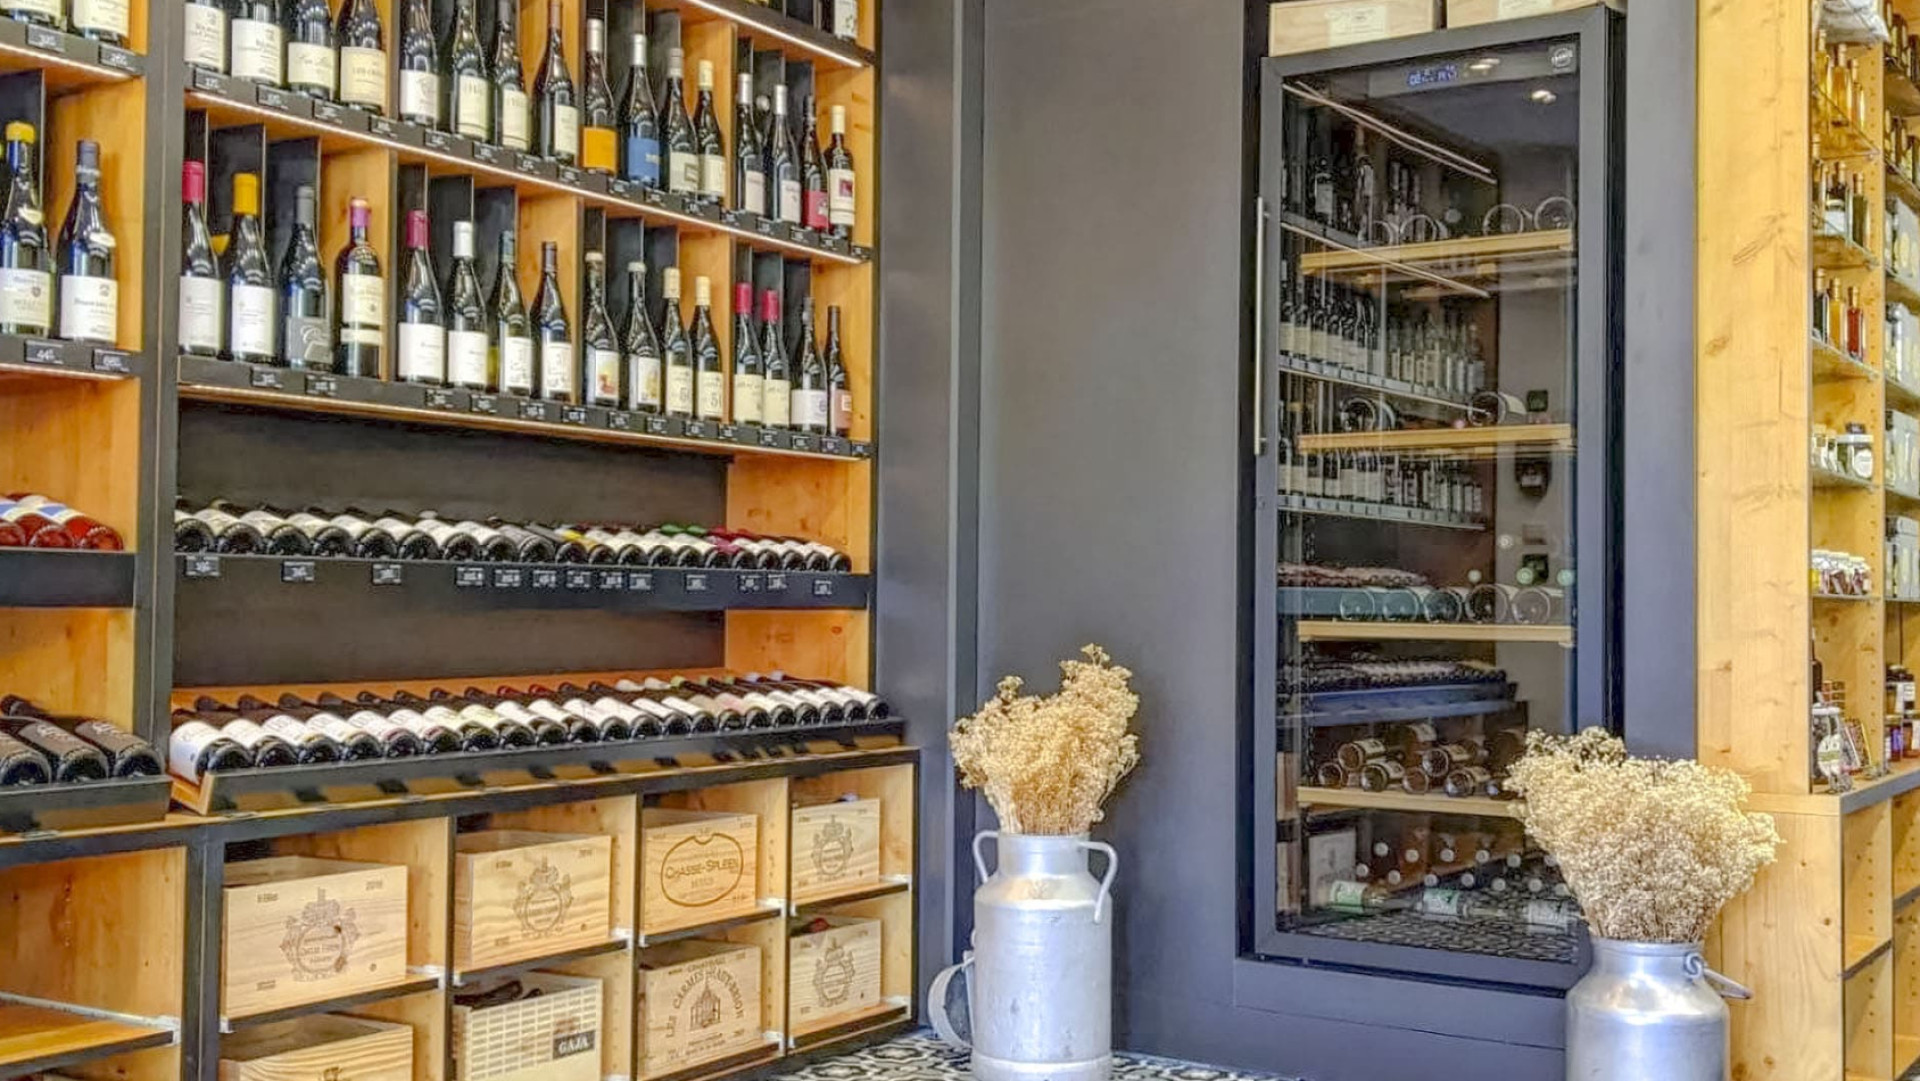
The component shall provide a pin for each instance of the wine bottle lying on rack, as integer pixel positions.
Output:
(35, 521)
(127, 755)
(251, 733)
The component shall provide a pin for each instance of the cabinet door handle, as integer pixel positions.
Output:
(1259, 325)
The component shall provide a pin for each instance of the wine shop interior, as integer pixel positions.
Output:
(502, 503)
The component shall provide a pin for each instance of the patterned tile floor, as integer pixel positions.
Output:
(920, 1056)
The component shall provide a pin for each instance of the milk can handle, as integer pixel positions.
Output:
(937, 1003)
(1106, 880)
(1696, 967)
(979, 857)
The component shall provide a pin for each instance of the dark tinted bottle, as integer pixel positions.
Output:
(639, 122)
(419, 63)
(365, 540)
(26, 266)
(306, 325)
(599, 143)
(231, 536)
(89, 293)
(783, 164)
(469, 92)
(840, 176)
(556, 111)
(813, 173)
(363, 56)
(839, 388)
(311, 62)
(430, 720)
(249, 277)
(676, 351)
(706, 134)
(190, 534)
(510, 337)
(600, 351)
(749, 156)
(676, 131)
(809, 377)
(362, 295)
(559, 364)
(393, 740)
(709, 375)
(127, 754)
(509, 732)
(202, 296)
(278, 536)
(640, 347)
(255, 45)
(422, 349)
(196, 748)
(467, 347)
(776, 392)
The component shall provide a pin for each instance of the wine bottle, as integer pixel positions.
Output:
(231, 536)
(410, 541)
(683, 149)
(725, 717)
(676, 353)
(639, 122)
(466, 317)
(101, 20)
(776, 405)
(305, 324)
(512, 122)
(324, 537)
(710, 377)
(362, 292)
(641, 346)
(201, 294)
(542, 712)
(46, 13)
(596, 338)
(783, 165)
(366, 541)
(599, 146)
(250, 300)
(267, 750)
(311, 62)
(279, 537)
(810, 411)
(845, 23)
(509, 732)
(204, 42)
(127, 754)
(559, 365)
(706, 134)
(698, 719)
(469, 91)
(492, 545)
(254, 41)
(422, 353)
(650, 718)
(529, 547)
(557, 118)
(26, 267)
(511, 335)
(442, 732)
(833, 706)
(455, 545)
(840, 176)
(749, 158)
(48, 524)
(839, 389)
(396, 740)
(196, 748)
(311, 746)
(813, 174)
(363, 56)
(346, 742)
(21, 765)
(190, 534)
(89, 294)
(618, 720)
(748, 381)
(419, 66)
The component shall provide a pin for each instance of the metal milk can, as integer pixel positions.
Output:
(1648, 1010)
(1040, 975)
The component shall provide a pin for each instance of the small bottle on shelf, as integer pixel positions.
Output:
(469, 93)
(421, 353)
(311, 61)
(603, 358)
(511, 336)
(710, 377)
(776, 398)
(202, 296)
(467, 347)
(640, 347)
(419, 63)
(361, 293)
(559, 364)
(89, 293)
(639, 121)
(556, 112)
(512, 117)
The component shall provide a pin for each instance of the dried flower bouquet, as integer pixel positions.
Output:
(1046, 763)
(1651, 849)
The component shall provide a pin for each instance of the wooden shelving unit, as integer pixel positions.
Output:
(1331, 630)
(1431, 803)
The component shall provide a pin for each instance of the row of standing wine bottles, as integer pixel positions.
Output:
(452, 83)
(238, 306)
(252, 733)
(39, 747)
(65, 288)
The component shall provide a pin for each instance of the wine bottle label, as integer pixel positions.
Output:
(558, 378)
(418, 725)
(334, 728)
(713, 175)
(566, 131)
(472, 95)
(603, 375)
(443, 716)
(246, 733)
(644, 370)
(308, 342)
(679, 389)
(381, 728)
(49, 9)
(482, 535)
(310, 524)
(516, 365)
(310, 65)
(513, 119)
(842, 410)
(423, 353)
(681, 706)
(440, 531)
(256, 50)
(598, 149)
(756, 700)
(846, 19)
(89, 308)
(776, 409)
(108, 15)
(840, 197)
(482, 716)
(713, 395)
(648, 706)
(363, 77)
(816, 215)
(420, 95)
(264, 521)
(514, 711)
(354, 526)
(544, 708)
(250, 320)
(185, 745)
(467, 357)
(200, 302)
(1442, 902)
(26, 298)
(747, 388)
(292, 729)
(206, 37)
(753, 193)
(643, 160)
(217, 520)
(363, 300)
(683, 171)
(789, 208)
(1346, 894)
(810, 408)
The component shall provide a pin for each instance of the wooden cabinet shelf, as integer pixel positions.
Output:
(66, 61)
(417, 985)
(36, 1038)
(770, 29)
(65, 578)
(1444, 441)
(1462, 263)
(1326, 630)
(1830, 364)
(1430, 803)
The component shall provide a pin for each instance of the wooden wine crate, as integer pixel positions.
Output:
(697, 1001)
(697, 867)
(1303, 26)
(836, 848)
(300, 929)
(518, 894)
(833, 974)
(324, 1047)
(1474, 12)
(553, 1036)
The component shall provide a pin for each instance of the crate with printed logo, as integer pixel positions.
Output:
(300, 929)
(534, 1026)
(1304, 26)
(697, 1002)
(697, 867)
(833, 971)
(520, 894)
(836, 848)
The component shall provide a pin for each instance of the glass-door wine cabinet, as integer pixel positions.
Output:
(1434, 491)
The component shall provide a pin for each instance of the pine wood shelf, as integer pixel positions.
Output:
(1478, 256)
(37, 1038)
(1330, 630)
(1310, 796)
(1832, 365)
(1531, 436)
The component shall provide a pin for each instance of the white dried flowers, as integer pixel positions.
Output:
(1650, 848)
(1046, 763)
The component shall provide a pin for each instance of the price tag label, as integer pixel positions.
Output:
(489, 154)
(322, 386)
(439, 398)
(573, 414)
(546, 578)
(861, 450)
(268, 379)
(653, 197)
(41, 351)
(766, 226)
(657, 426)
(211, 82)
(696, 582)
(203, 566)
(388, 574)
(532, 410)
(120, 59)
(52, 41)
(112, 361)
(799, 441)
(438, 140)
(383, 127)
(823, 587)
(527, 163)
(482, 403)
(469, 577)
(639, 581)
(613, 581)
(273, 98)
(567, 174)
(296, 570)
(833, 444)
(579, 578)
(770, 437)
(509, 578)
(620, 421)
(619, 188)
(777, 582)
(750, 582)
(328, 113)
(727, 433)
(699, 429)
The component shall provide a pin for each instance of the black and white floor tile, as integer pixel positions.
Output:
(920, 1056)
